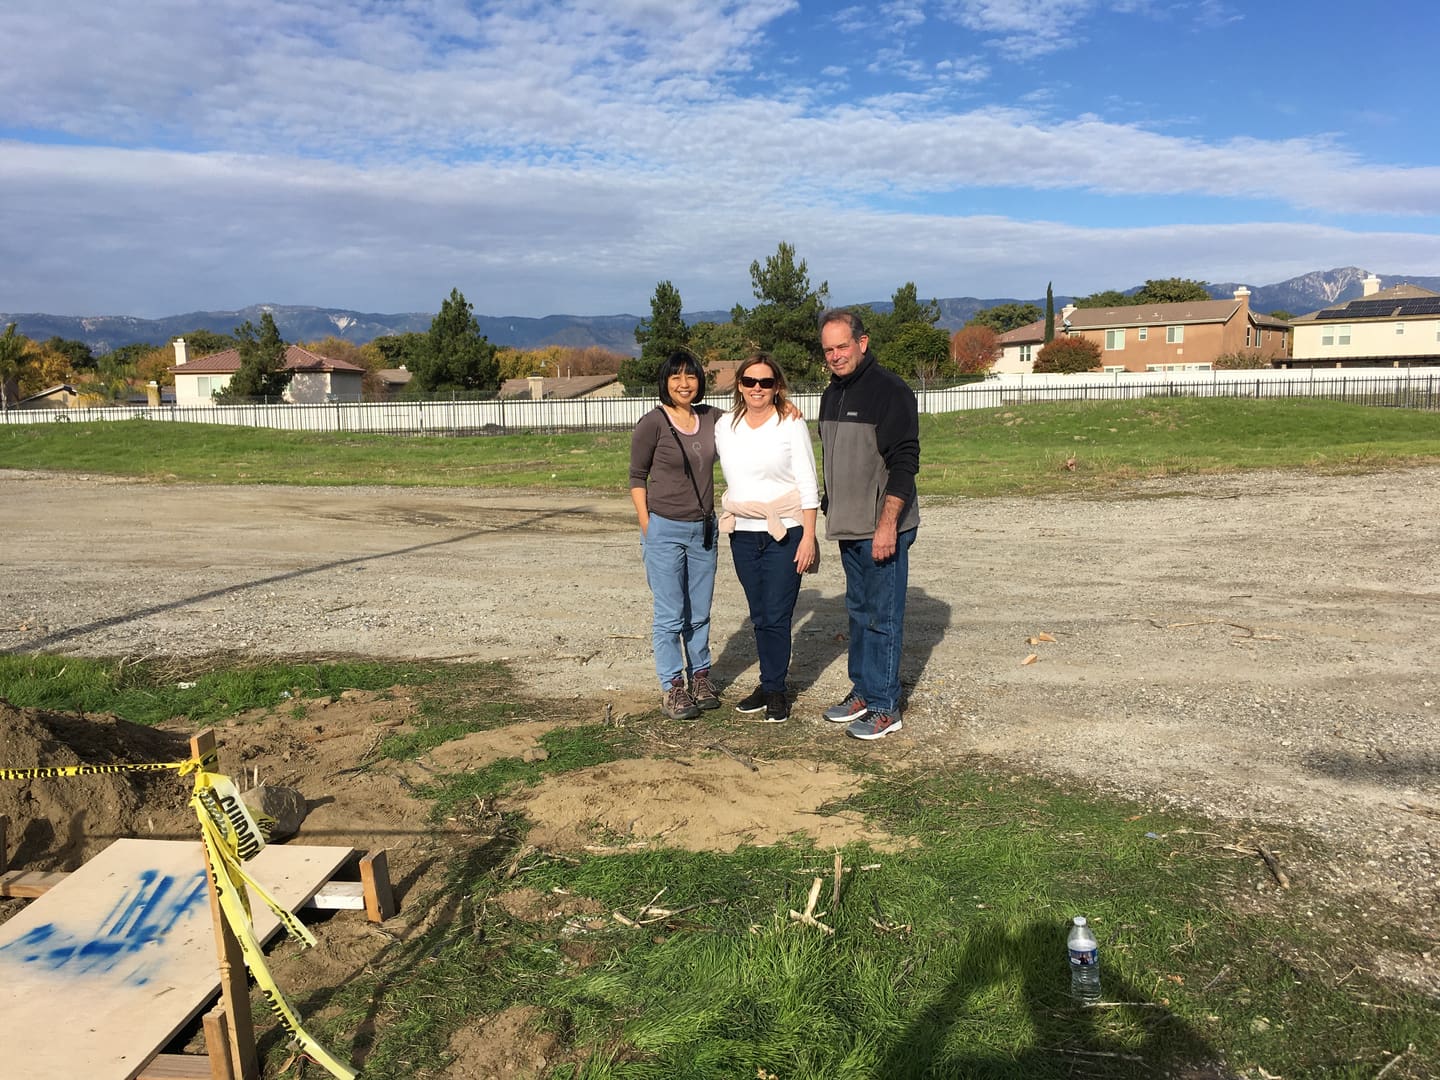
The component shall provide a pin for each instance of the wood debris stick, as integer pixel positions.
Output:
(741, 758)
(808, 915)
(647, 908)
(839, 872)
(1426, 811)
(1393, 1060)
(1218, 976)
(1095, 1053)
(1274, 864)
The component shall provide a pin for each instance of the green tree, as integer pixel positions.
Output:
(1049, 312)
(716, 342)
(456, 356)
(16, 351)
(76, 353)
(1002, 318)
(262, 371)
(207, 343)
(905, 310)
(1283, 315)
(1105, 298)
(1170, 291)
(918, 351)
(1068, 353)
(784, 322)
(658, 336)
(394, 351)
(1240, 360)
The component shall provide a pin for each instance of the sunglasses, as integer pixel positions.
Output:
(750, 382)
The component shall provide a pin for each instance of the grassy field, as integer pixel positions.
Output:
(1037, 449)
(947, 958)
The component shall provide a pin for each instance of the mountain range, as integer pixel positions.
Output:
(1308, 292)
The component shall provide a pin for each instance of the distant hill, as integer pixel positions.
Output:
(1299, 295)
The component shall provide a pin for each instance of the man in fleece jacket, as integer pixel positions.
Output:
(870, 434)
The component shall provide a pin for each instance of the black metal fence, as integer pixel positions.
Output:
(1404, 389)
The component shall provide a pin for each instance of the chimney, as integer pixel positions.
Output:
(537, 387)
(1065, 313)
(180, 356)
(1243, 295)
(1370, 285)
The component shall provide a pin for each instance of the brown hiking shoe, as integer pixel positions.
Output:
(678, 704)
(702, 690)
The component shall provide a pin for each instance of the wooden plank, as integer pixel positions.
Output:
(125, 950)
(28, 884)
(177, 1067)
(375, 877)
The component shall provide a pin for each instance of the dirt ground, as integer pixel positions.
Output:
(1259, 648)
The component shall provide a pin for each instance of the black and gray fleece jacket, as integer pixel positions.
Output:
(870, 433)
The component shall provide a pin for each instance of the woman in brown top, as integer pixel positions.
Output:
(672, 470)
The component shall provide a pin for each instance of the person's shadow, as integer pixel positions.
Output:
(947, 1038)
(820, 634)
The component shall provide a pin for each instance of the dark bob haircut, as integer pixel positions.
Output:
(675, 364)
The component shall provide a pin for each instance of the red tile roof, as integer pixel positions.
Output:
(296, 359)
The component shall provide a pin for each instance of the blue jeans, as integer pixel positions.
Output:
(766, 569)
(875, 602)
(682, 578)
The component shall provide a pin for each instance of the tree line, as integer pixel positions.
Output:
(454, 358)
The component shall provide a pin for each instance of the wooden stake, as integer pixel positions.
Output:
(234, 981)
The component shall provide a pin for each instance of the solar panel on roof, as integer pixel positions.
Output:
(1425, 305)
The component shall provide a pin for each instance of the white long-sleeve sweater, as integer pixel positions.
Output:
(762, 464)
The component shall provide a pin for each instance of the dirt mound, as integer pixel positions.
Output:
(707, 803)
(61, 822)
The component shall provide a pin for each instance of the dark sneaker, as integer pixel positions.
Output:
(875, 725)
(678, 704)
(703, 691)
(852, 708)
(777, 710)
(752, 702)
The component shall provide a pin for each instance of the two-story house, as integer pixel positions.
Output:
(1186, 336)
(1394, 327)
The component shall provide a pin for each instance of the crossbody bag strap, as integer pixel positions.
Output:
(685, 459)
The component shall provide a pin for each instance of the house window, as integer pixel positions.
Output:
(1174, 335)
(1327, 336)
(1247, 337)
(1111, 369)
(1114, 339)
(1399, 329)
(1144, 333)
(206, 385)
(1343, 338)
(1025, 353)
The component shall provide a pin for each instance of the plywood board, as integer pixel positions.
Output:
(101, 972)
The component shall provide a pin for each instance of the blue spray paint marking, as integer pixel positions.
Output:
(145, 913)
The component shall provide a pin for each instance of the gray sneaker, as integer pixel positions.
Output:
(678, 704)
(703, 691)
(875, 725)
(852, 708)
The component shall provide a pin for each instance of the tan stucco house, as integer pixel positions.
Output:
(1394, 327)
(316, 379)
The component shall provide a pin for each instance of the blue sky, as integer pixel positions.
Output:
(164, 156)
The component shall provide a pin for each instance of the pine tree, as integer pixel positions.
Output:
(658, 336)
(456, 356)
(262, 371)
(1049, 312)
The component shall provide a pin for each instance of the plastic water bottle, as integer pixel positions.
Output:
(1084, 962)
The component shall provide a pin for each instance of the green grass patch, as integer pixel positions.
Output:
(948, 957)
(568, 749)
(1013, 450)
(204, 690)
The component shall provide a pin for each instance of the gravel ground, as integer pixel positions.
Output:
(1257, 647)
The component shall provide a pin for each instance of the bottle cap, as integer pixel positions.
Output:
(1079, 920)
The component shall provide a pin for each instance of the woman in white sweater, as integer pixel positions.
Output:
(771, 500)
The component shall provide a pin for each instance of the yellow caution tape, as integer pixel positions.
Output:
(232, 836)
